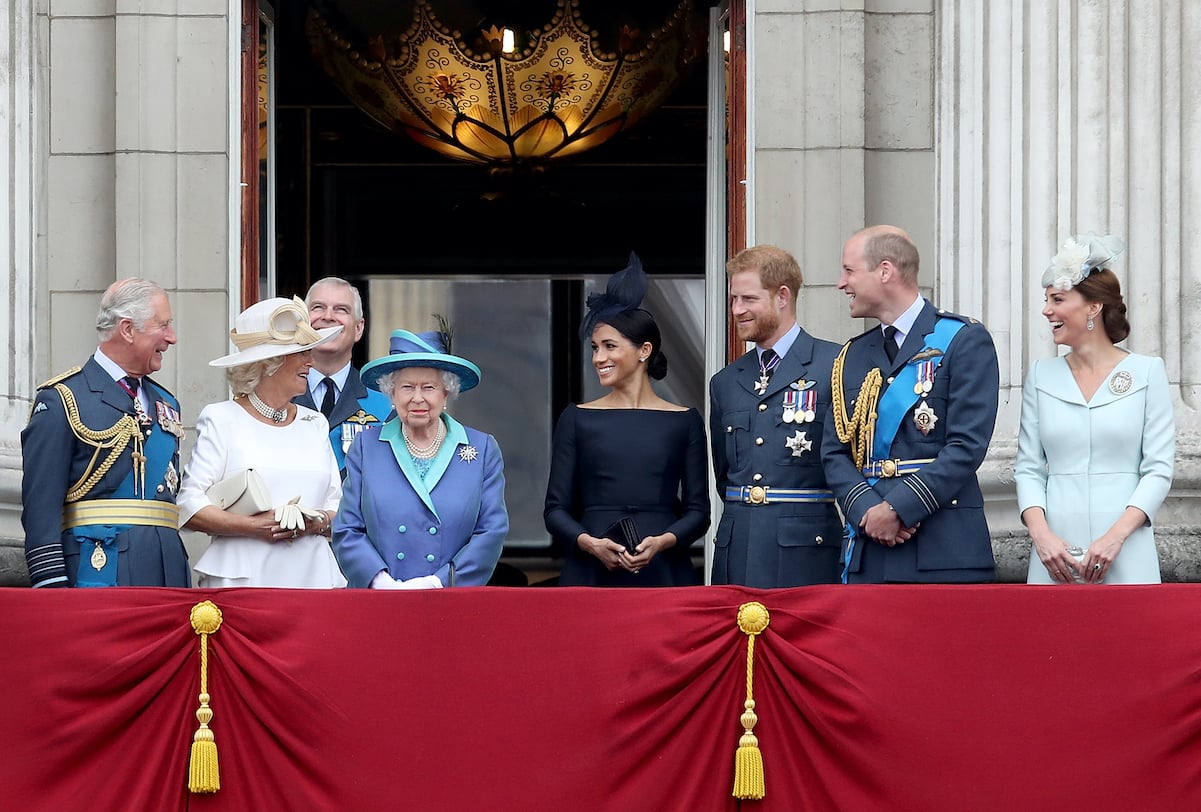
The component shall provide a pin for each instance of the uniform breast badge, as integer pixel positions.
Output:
(353, 425)
(169, 419)
(798, 443)
(803, 400)
(924, 418)
(1120, 382)
(789, 410)
(99, 559)
(172, 478)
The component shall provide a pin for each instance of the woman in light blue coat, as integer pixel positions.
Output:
(423, 503)
(1097, 439)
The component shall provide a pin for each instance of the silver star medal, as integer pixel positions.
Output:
(468, 453)
(798, 443)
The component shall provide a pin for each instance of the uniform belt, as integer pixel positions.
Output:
(145, 512)
(883, 469)
(765, 494)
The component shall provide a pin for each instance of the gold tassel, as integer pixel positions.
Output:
(203, 772)
(748, 760)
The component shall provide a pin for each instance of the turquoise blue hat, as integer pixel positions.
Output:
(407, 349)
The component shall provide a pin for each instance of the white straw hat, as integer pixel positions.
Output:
(273, 328)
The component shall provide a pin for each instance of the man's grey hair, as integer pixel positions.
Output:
(126, 299)
(451, 382)
(337, 282)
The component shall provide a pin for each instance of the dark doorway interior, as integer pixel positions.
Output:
(358, 201)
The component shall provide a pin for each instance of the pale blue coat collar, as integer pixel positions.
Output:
(456, 435)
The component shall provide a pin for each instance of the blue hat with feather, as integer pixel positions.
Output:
(406, 349)
(625, 291)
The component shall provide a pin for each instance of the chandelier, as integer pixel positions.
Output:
(509, 98)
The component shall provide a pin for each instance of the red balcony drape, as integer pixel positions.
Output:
(869, 698)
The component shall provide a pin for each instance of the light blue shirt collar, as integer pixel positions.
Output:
(316, 377)
(785, 343)
(904, 322)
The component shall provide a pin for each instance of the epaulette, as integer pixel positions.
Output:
(60, 378)
(947, 314)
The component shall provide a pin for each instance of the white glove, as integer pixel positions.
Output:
(383, 580)
(289, 516)
(421, 582)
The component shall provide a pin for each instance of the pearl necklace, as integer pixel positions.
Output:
(430, 451)
(276, 415)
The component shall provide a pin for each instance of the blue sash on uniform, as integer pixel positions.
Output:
(894, 404)
(159, 449)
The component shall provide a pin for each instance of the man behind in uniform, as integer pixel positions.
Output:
(778, 527)
(915, 400)
(334, 386)
(100, 457)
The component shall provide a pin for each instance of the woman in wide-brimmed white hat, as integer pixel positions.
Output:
(286, 445)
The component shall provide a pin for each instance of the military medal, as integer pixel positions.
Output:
(172, 478)
(761, 384)
(99, 559)
(1120, 382)
(808, 411)
(169, 419)
(790, 400)
(348, 433)
(924, 418)
(798, 443)
(925, 378)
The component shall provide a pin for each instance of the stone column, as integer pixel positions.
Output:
(22, 38)
(1061, 118)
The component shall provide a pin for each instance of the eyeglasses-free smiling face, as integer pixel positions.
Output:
(149, 343)
(1068, 312)
(615, 357)
(331, 305)
(860, 281)
(754, 308)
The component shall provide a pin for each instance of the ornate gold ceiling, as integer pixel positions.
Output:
(557, 93)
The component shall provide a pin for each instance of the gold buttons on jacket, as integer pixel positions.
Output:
(763, 407)
(757, 478)
(820, 540)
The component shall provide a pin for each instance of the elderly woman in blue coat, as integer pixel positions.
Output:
(423, 503)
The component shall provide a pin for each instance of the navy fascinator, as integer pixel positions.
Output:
(625, 291)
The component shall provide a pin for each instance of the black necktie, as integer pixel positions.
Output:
(132, 385)
(890, 342)
(327, 402)
(768, 361)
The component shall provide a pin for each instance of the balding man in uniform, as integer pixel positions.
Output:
(915, 400)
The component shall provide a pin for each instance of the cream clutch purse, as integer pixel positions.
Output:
(243, 493)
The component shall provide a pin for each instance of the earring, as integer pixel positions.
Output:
(1090, 325)
(642, 360)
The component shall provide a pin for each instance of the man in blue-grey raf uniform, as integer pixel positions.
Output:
(334, 386)
(779, 527)
(101, 457)
(915, 400)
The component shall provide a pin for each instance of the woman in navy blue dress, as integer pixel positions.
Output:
(629, 454)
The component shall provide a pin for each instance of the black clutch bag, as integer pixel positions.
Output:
(624, 533)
